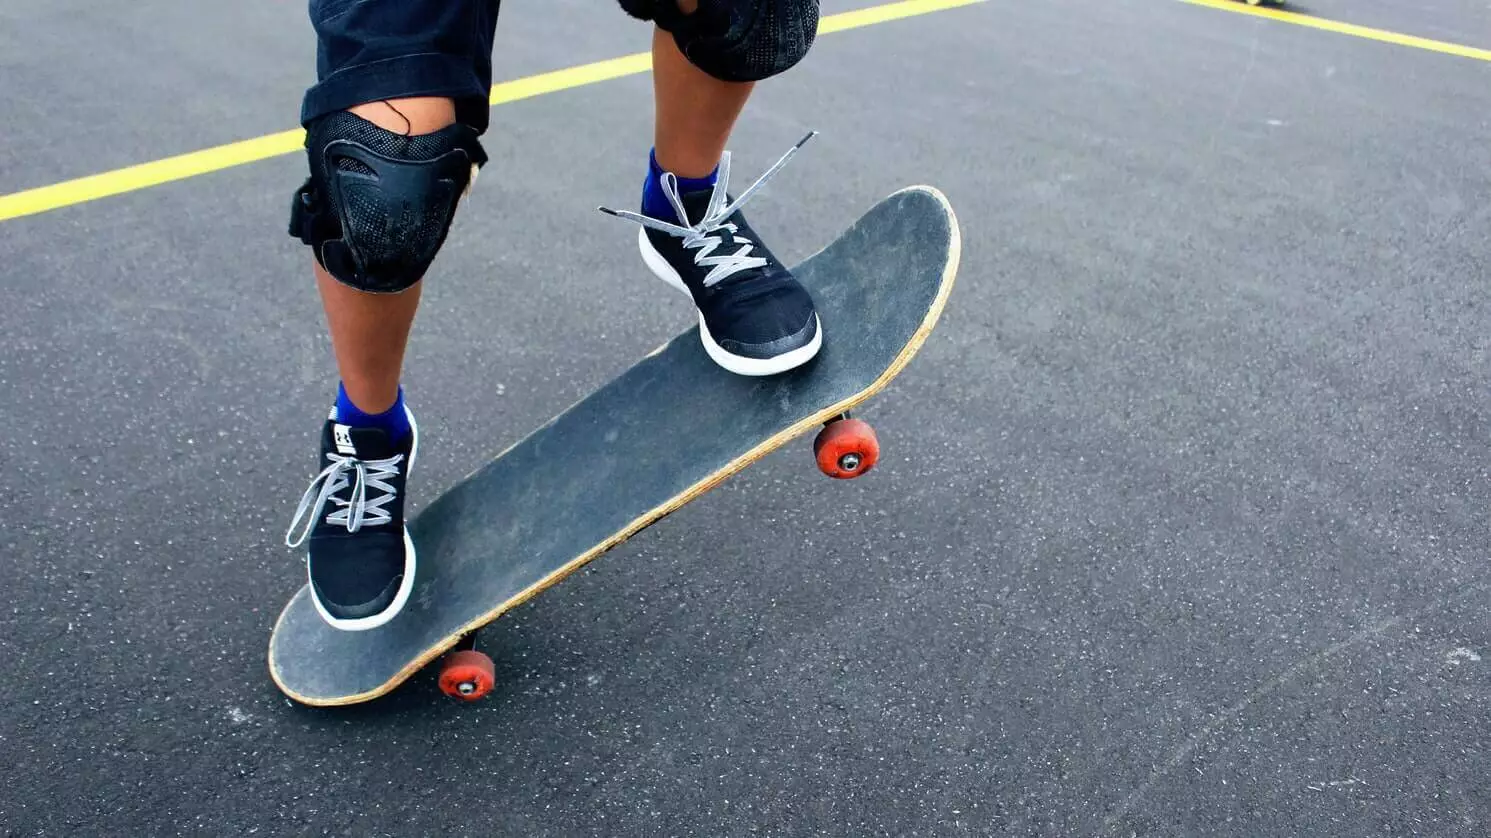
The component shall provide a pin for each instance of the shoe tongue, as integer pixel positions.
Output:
(362, 443)
(696, 203)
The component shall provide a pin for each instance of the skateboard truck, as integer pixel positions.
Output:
(846, 447)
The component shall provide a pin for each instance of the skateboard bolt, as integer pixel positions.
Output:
(467, 688)
(849, 462)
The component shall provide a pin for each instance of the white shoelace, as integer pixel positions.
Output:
(359, 509)
(700, 236)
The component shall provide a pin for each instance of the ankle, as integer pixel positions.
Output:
(393, 420)
(655, 201)
(684, 165)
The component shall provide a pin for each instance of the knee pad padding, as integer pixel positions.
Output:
(737, 40)
(378, 205)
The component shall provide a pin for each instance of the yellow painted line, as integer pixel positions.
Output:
(886, 13)
(128, 179)
(182, 166)
(1351, 29)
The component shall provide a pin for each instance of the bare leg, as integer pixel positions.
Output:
(695, 111)
(370, 331)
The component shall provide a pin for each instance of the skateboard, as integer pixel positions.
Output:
(646, 443)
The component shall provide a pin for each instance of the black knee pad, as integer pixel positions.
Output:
(736, 40)
(378, 205)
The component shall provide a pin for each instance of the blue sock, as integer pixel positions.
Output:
(392, 421)
(655, 203)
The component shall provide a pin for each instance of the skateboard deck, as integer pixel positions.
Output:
(644, 444)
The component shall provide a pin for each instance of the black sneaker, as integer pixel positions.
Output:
(754, 316)
(360, 561)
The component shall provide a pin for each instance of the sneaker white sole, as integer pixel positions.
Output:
(738, 364)
(406, 585)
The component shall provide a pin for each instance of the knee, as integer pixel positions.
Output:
(414, 115)
(737, 40)
(379, 202)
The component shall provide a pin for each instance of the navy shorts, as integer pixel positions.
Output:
(367, 50)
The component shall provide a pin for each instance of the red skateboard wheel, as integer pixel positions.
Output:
(467, 675)
(846, 448)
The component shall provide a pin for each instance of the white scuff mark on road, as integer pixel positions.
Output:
(1228, 716)
(1461, 655)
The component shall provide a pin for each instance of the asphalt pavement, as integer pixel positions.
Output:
(1180, 529)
